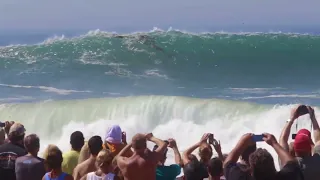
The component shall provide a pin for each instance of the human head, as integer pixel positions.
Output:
(17, 133)
(193, 170)
(32, 143)
(2, 136)
(77, 140)
(246, 153)
(95, 145)
(215, 168)
(84, 153)
(104, 161)
(139, 142)
(53, 158)
(303, 143)
(114, 135)
(164, 157)
(262, 165)
(205, 151)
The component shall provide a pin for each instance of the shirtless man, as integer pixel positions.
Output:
(143, 163)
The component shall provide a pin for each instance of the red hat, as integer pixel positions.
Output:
(302, 142)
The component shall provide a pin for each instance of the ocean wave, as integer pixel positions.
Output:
(312, 96)
(46, 89)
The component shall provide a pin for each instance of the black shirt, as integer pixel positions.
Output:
(29, 167)
(9, 152)
(291, 171)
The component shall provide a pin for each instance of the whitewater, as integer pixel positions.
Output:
(172, 83)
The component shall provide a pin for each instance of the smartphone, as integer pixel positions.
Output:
(2, 124)
(257, 138)
(302, 110)
(211, 137)
(293, 136)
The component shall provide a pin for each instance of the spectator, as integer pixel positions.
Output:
(70, 158)
(116, 140)
(53, 161)
(261, 162)
(10, 151)
(2, 136)
(215, 169)
(169, 172)
(303, 146)
(84, 153)
(104, 167)
(143, 163)
(30, 166)
(95, 146)
(192, 164)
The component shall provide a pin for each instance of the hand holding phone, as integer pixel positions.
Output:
(302, 110)
(257, 138)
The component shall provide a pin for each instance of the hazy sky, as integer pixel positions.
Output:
(104, 14)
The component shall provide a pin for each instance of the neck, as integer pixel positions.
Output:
(243, 162)
(55, 172)
(214, 178)
(78, 150)
(34, 154)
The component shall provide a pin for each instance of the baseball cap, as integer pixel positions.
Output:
(17, 129)
(302, 142)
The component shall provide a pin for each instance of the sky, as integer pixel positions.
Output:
(146, 14)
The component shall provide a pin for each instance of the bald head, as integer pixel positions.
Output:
(139, 142)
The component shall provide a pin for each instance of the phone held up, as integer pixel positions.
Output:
(211, 138)
(257, 138)
(2, 124)
(302, 110)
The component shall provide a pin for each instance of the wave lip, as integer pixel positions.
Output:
(312, 96)
(46, 89)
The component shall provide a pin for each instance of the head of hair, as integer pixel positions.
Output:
(193, 170)
(139, 142)
(95, 145)
(215, 168)
(77, 140)
(32, 143)
(249, 150)
(84, 153)
(2, 136)
(53, 157)
(205, 151)
(262, 165)
(164, 157)
(104, 160)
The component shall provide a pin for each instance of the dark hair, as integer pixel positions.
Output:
(139, 142)
(262, 165)
(77, 140)
(194, 170)
(249, 150)
(32, 143)
(54, 158)
(95, 145)
(215, 167)
(15, 138)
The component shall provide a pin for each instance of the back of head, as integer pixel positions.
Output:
(2, 135)
(262, 165)
(215, 168)
(77, 140)
(303, 143)
(249, 150)
(193, 170)
(164, 157)
(205, 151)
(104, 159)
(53, 157)
(84, 153)
(114, 135)
(16, 133)
(32, 143)
(139, 142)
(95, 145)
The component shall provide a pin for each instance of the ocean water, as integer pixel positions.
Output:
(172, 83)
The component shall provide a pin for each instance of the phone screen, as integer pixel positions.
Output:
(211, 137)
(257, 138)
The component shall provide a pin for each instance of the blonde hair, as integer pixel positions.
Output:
(104, 157)
(52, 157)
(84, 153)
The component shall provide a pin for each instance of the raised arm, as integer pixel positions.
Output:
(234, 155)
(217, 146)
(121, 159)
(177, 156)
(162, 146)
(316, 128)
(284, 155)
(187, 153)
